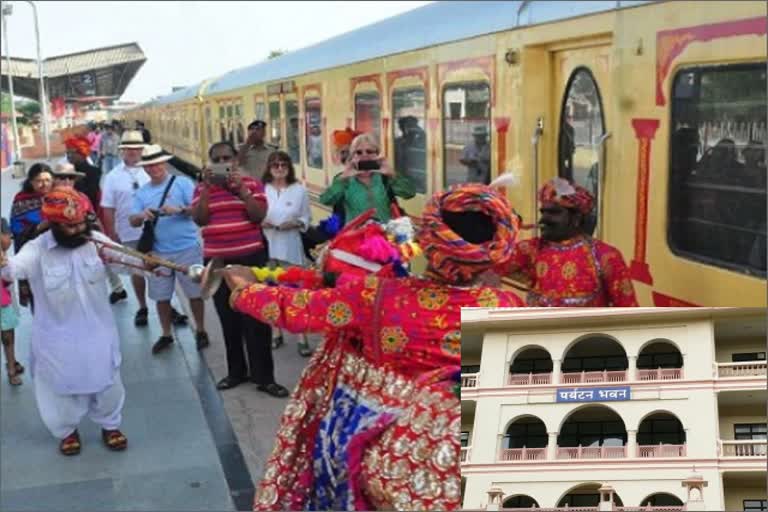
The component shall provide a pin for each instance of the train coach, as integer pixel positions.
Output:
(659, 108)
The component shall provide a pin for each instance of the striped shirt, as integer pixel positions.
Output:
(229, 232)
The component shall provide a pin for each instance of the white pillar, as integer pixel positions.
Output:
(631, 443)
(694, 485)
(606, 498)
(499, 444)
(632, 370)
(495, 497)
(556, 371)
(552, 446)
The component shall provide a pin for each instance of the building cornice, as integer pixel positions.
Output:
(490, 319)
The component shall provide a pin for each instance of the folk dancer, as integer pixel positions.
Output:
(372, 423)
(75, 348)
(565, 267)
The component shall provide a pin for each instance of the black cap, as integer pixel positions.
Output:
(257, 124)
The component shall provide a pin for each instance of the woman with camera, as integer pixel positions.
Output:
(367, 182)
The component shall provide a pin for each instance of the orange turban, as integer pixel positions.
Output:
(343, 138)
(454, 258)
(64, 206)
(79, 144)
(563, 193)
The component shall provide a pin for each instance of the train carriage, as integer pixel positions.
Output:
(658, 107)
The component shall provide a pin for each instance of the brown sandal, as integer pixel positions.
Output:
(70, 445)
(13, 375)
(114, 439)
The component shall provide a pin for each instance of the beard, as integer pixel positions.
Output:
(70, 241)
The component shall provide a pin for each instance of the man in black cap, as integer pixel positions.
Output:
(253, 155)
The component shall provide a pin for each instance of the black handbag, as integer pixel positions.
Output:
(147, 239)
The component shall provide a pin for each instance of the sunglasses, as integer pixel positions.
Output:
(219, 159)
(284, 165)
(135, 185)
(66, 178)
(360, 152)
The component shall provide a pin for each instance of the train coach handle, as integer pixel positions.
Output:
(537, 133)
(601, 180)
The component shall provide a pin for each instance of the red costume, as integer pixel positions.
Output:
(373, 422)
(580, 271)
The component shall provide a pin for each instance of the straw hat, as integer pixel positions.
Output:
(131, 139)
(66, 169)
(153, 154)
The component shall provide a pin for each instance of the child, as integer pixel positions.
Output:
(8, 318)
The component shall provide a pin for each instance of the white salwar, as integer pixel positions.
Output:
(288, 205)
(74, 346)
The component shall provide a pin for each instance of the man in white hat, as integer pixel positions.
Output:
(166, 201)
(117, 193)
(477, 156)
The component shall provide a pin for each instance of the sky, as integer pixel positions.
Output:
(186, 42)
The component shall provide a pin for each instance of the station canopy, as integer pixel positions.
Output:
(101, 74)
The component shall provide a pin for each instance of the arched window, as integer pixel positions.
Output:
(581, 128)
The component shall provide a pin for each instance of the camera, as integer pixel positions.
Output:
(368, 165)
(222, 169)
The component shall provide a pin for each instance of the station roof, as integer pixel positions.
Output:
(432, 24)
(101, 72)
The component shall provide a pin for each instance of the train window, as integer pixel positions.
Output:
(292, 130)
(717, 193)
(581, 126)
(274, 122)
(313, 128)
(410, 138)
(260, 111)
(368, 113)
(466, 129)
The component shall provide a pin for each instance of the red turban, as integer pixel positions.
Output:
(65, 206)
(343, 138)
(79, 144)
(562, 192)
(454, 258)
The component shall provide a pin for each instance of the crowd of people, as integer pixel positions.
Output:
(388, 366)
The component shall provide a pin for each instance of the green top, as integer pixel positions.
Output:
(359, 198)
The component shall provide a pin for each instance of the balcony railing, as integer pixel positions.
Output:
(749, 448)
(468, 380)
(746, 369)
(660, 374)
(529, 379)
(598, 376)
(508, 454)
(661, 450)
(465, 451)
(592, 452)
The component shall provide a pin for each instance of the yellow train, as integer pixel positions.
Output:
(658, 107)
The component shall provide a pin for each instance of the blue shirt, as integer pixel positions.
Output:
(173, 233)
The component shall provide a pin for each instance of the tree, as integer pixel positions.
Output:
(30, 110)
(275, 54)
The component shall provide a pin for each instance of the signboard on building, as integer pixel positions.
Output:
(612, 394)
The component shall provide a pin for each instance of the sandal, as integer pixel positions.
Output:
(304, 350)
(274, 389)
(141, 318)
(277, 342)
(70, 445)
(19, 368)
(177, 318)
(114, 439)
(14, 379)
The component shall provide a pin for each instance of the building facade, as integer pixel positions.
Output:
(614, 409)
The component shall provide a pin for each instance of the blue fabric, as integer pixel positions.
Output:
(173, 233)
(347, 416)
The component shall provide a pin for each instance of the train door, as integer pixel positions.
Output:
(582, 84)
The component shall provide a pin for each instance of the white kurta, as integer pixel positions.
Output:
(74, 345)
(289, 204)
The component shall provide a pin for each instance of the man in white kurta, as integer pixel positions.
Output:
(75, 348)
